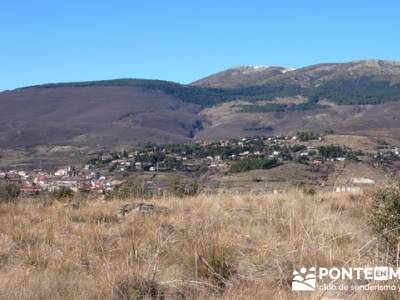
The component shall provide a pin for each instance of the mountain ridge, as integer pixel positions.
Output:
(231, 77)
(139, 110)
(275, 70)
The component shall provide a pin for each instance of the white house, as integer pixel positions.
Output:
(61, 172)
(363, 181)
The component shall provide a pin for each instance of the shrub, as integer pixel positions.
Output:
(63, 193)
(332, 151)
(256, 179)
(215, 262)
(248, 164)
(134, 188)
(132, 288)
(9, 192)
(385, 213)
(308, 190)
(352, 156)
(307, 136)
(177, 187)
(298, 148)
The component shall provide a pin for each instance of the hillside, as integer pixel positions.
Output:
(93, 115)
(358, 82)
(228, 120)
(360, 97)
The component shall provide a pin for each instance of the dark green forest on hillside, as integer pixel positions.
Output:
(193, 94)
(363, 90)
(312, 103)
(344, 91)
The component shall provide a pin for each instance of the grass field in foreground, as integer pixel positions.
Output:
(205, 247)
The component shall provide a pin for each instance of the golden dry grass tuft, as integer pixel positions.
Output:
(205, 247)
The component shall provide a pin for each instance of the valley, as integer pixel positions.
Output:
(245, 117)
(260, 164)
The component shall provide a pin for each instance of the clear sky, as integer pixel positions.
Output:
(182, 40)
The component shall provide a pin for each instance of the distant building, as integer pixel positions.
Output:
(348, 189)
(363, 181)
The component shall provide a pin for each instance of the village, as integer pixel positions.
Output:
(40, 181)
(106, 171)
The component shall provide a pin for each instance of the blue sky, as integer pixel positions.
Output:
(183, 40)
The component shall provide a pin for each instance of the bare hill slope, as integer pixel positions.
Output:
(93, 115)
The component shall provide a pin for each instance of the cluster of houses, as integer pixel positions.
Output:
(102, 168)
(279, 147)
(37, 181)
(356, 185)
(388, 153)
(213, 155)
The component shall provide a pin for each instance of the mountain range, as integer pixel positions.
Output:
(359, 97)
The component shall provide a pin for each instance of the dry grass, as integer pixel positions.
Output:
(205, 247)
